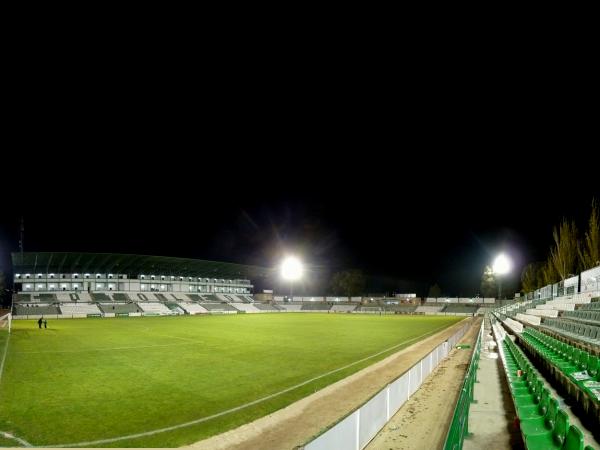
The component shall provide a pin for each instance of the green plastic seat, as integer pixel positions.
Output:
(590, 365)
(566, 355)
(549, 440)
(574, 440)
(531, 396)
(551, 351)
(541, 424)
(531, 411)
(571, 364)
(578, 365)
(523, 386)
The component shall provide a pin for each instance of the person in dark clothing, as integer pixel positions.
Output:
(40, 323)
(45, 323)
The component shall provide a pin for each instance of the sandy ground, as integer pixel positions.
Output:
(423, 421)
(293, 426)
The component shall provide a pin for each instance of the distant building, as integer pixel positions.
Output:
(97, 272)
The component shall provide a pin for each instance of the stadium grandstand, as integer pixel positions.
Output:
(548, 344)
(76, 285)
(94, 284)
(98, 272)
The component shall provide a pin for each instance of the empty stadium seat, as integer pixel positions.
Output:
(22, 298)
(246, 307)
(574, 330)
(429, 309)
(543, 424)
(266, 307)
(316, 306)
(155, 308)
(37, 310)
(461, 308)
(576, 370)
(287, 306)
(193, 308)
(79, 309)
(553, 438)
(119, 308)
(223, 307)
(343, 308)
(100, 297)
(403, 309)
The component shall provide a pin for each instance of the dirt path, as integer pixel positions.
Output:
(423, 421)
(294, 425)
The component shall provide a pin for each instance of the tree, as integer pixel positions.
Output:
(348, 283)
(435, 291)
(530, 277)
(563, 254)
(589, 255)
(549, 274)
(540, 277)
(488, 283)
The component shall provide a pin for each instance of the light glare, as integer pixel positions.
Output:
(501, 265)
(291, 269)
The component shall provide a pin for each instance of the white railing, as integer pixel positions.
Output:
(361, 426)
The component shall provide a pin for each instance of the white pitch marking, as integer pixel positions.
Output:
(19, 440)
(237, 408)
(4, 357)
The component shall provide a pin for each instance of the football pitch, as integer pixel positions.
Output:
(171, 381)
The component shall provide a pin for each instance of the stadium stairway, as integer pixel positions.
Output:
(491, 416)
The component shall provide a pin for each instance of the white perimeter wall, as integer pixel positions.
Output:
(360, 427)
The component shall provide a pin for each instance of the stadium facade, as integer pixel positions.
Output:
(102, 272)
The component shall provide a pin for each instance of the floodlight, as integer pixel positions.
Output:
(501, 265)
(291, 269)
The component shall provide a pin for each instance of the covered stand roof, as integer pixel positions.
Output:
(133, 265)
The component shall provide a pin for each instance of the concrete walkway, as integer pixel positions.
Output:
(422, 422)
(492, 417)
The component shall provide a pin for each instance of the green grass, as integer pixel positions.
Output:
(5, 442)
(90, 379)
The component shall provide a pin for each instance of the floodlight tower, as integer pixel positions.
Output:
(501, 266)
(291, 270)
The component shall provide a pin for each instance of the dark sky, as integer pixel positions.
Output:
(416, 185)
(414, 229)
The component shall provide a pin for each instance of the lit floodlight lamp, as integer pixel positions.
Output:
(501, 265)
(291, 269)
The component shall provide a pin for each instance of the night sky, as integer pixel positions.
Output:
(415, 231)
(414, 191)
